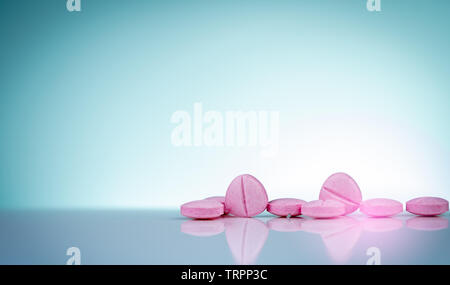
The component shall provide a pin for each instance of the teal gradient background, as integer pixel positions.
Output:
(86, 98)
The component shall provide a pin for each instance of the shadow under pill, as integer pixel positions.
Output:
(245, 236)
(339, 235)
(378, 225)
(427, 223)
(280, 224)
(203, 228)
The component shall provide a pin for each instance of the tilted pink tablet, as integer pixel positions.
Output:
(341, 187)
(202, 209)
(220, 199)
(245, 197)
(427, 206)
(381, 207)
(285, 207)
(323, 209)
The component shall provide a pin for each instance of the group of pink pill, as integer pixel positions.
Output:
(340, 195)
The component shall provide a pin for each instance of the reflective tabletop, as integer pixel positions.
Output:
(165, 237)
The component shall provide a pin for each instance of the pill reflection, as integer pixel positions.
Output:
(285, 224)
(378, 225)
(339, 235)
(427, 223)
(246, 238)
(203, 228)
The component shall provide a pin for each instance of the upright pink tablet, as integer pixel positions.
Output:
(323, 209)
(341, 187)
(202, 209)
(245, 197)
(220, 199)
(381, 207)
(427, 206)
(285, 207)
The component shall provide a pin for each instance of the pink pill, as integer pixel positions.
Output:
(285, 206)
(323, 209)
(381, 207)
(220, 199)
(245, 197)
(341, 187)
(202, 209)
(427, 206)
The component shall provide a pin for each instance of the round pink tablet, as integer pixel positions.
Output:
(323, 209)
(427, 206)
(202, 209)
(220, 199)
(245, 197)
(341, 187)
(285, 206)
(381, 207)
